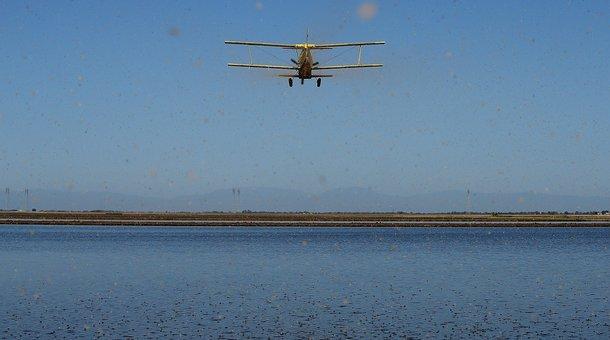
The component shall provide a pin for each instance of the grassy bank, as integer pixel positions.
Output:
(300, 219)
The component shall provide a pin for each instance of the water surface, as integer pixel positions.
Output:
(304, 282)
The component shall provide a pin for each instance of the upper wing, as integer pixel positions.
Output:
(350, 44)
(253, 43)
(338, 67)
(306, 45)
(278, 67)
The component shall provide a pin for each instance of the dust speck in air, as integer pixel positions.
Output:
(367, 11)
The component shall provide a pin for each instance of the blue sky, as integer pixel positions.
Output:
(135, 97)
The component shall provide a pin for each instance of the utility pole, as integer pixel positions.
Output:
(238, 199)
(7, 192)
(236, 193)
(27, 198)
(468, 203)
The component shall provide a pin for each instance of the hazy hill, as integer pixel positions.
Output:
(342, 199)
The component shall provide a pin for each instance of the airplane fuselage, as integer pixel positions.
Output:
(305, 64)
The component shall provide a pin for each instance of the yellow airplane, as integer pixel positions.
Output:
(305, 66)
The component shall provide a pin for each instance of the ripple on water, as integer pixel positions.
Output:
(349, 283)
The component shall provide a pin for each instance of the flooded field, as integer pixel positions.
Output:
(304, 282)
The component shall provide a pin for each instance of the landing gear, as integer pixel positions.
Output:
(302, 81)
(319, 82)
(290, 82)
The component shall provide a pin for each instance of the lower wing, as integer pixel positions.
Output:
(277, 67)
(339, 67)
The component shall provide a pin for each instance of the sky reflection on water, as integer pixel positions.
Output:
(300, 282)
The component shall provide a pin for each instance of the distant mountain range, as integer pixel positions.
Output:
(343, 200)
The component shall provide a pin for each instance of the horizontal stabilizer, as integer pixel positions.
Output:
(312, 76)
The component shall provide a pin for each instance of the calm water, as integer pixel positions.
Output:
(319, 282)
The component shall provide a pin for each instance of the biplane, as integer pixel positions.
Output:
(304, 67)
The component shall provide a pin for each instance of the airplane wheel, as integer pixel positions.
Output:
(290, 82)
(302, 81)
(319, 82)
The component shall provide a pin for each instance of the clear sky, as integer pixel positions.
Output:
(135, 97)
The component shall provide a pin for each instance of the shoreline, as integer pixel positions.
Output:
(302, 219)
